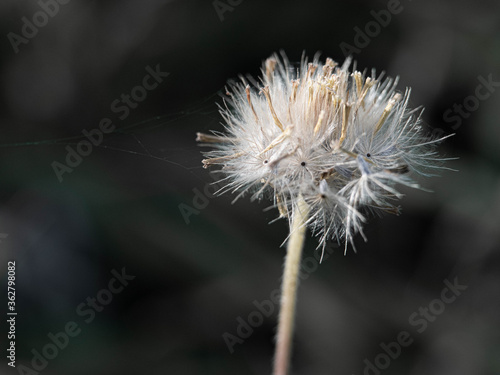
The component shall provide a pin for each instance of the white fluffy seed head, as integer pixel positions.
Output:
(340, 139)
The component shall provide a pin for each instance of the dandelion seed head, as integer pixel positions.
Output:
(341, 139)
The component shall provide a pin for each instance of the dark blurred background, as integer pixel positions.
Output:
(122, 205)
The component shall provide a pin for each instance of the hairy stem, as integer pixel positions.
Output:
(289, 287)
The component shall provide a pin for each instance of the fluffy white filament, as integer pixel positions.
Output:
(342, 140)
